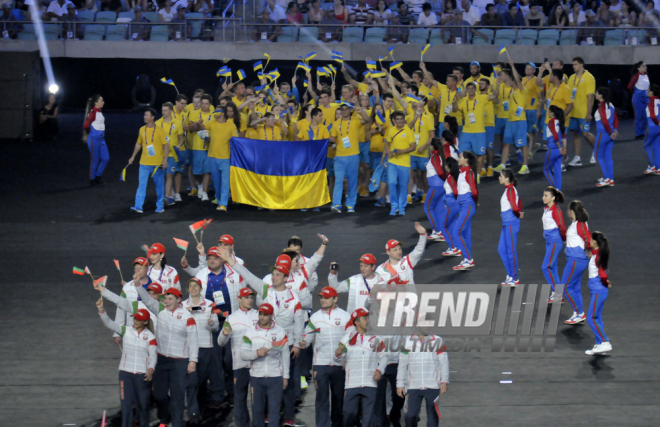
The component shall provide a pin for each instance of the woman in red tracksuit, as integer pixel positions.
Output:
(95, 127)
(467, 203)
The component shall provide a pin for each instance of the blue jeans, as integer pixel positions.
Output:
(266, 389)
(397, 180)
(170, 376)
(159, 182)
(346, 167)
(135, 392)
(351, 401)
(241, 389)
(220, 177)
(329, 381)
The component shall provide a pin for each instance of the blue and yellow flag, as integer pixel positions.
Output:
(502, 49)
(371, 65)
(258, 66)
(241, 75)
(379, 118)
(167, 81)
(286, 175)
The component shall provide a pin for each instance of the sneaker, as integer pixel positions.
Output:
(169, 201)
(289, 423)
(303, 210)
(603, 183)
(200, 191)
(544, 147)
(387, 199)
(650, 170)
(136, 210)
(177, 197)
(436, 236)
(524, 170)
(92, 183)
(464, 265)
(489, 171)
(350, 209)
(482, 172)
(193, 192)
(592, 160)
(215, 201)
(552, 298)
(470, 263)
(303, 382)
(336, 209)
(514, 282)
(401, 212)
(657, 172)
(99, 181)
(205, 197)
(506, 281)
(563, 167)
(222, 208)
(423, 198)
(576, 318)
(161, 210)
(363, 191)
(599, 349)
(414, 189)
(394, 211)
(576, 161)
(380, 203)
(478, 179)
(452, 252)
(316, 210)
(409, 199)
(498, 168)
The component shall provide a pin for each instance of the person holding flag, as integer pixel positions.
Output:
(224, 241)
(123, 317)
(265, 347)
(324, 330)
(364, 364)
(402, 266)
(358, 286)
(159, 271)
(375, 134)
(399, 143)
(235, 327)
(173, 130)
(153, 162)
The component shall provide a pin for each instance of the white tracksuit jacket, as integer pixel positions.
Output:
(240, 322)
(276, 362)
(331, 326)
(422, 364)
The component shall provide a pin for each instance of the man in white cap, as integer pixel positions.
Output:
(358, 286)
(401, 266)
(324, 330)
(235, 327)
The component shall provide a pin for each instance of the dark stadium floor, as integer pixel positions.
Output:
(59, 364)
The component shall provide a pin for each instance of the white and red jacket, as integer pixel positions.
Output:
(203, 264)
(95, 120)
(233, 281)
(276, 362)
(358, 288)
(606, 119)
(423, 363)
(361, 359)
(652, 112)
(138, 351)
(313, 281)
(578, 238)
(202, 316)
(298, 281)
(176, 331)
(596, 271)
(554, 229)
(467, 186)
(404, 268)
(124, 313)
(639, 82)
(435, 171)
(324, 331)
(167, 277)
(240, 321)
(510, 206)
(553, 134)
(450, 187)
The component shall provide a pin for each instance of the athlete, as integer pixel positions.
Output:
(578, 240)
(556, 93)
(314, 129)
(153, 161)
(402, 266)
(98, 150)
(652, 143)
(607, 126)
(554, 134)
(422, 124)
(451, 207)
(399, 143)
(583, 86)
(638, 86)
(192, 110)
(159, 271)
(554, 233)
(599, 288)
(358, 286)
(489, 126)
(173, 131)
(467, 203)
(511, 211)
(376, 135)
(531, 106)
(179, 114)
(200, 145)
(434, 205)
(515, 132)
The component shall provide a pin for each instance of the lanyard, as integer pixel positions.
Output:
(162, 126)
(553, 95)
(161, 272)
(449, 96)
(578, 81)
(310, 132)
(347, 127)
(474, 106)
(152, 135)
(272, 131)
(514, 96)
(366, 284)
(419, 125)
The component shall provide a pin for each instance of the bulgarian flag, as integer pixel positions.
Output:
(78, 271)
(279, 345)
(181, 244)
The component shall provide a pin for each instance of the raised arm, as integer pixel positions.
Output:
(417, 253)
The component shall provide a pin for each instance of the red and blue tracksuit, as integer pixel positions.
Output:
(510, 207)
(95, 125)
(652, 143)
(467, 206)
(578, 238)
(638, 86)
(552, 164)
(451, 212)
(606, 123)
(599, 291)
(434, 205)
(554, 233)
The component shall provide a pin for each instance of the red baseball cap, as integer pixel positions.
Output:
(213, 251)
(173, 291)
(282, 264)
(368, 259)
(194, 280)
(157, 248)
(328, 292)
(245, 292)
(155, 287)
(266, 308)
(140, 260)
(392, 244)
(226, 239)
(360, 312)
(141, 315)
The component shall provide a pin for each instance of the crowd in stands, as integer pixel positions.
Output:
(590, 17)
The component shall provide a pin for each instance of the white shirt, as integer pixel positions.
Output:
(277, 13)
(386, 16)
(404, 269)
(361, 360)
(331, 328)
(580, 18)
(166, 277)
(298, 281)
(275, 363)
(240, 322)
(472, 16)
(359, 292)
(432, 19)
(643, 82)
(138, 351)
(124, 313)
(422, 365)
(57, 9)
(167, 17)
(202, 316)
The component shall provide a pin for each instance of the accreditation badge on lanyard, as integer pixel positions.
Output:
(345, 140)
(471, 116)
(219, 297)
(151, 150)
(449, 107)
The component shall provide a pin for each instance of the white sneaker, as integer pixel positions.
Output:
(436, 236)
(593, 159)
(599, 349)
(200, 191)
(506, 281)
(563, 167)
(387, 199)
(576, 161)
(177, 197)
(205, 197)
(649, 170)
(414, 189)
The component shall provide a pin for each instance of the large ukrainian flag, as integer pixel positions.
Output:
(279, 175)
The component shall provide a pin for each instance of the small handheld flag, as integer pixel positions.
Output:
(378, 74)
(122, 177)
(320, 71)
(267, 56)
(194, 228)
(395, 65)
(391, 51)
(502, 49)
(181, 244)
(100, 282)
(259, 88)
(240, 74)
(424, 49)
(279, 345)
(169, 82)
(371, 65)
(310, 56)
(224, 72)
(145, 248)
(78, 271)
(379, 118)
(155, 170)
(89, 272)
(258, 66)
(117, 265)
(412, 98)
(206, 224)
(305, 83)
(303, 66)
(337, 56)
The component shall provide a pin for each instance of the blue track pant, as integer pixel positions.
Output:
(603, 151)
(463, 228)
(552, 167)
(451, 213)
(652, 146)
(346, 167)
(572, 279)
(595, 314)
(434, 206)
(549, 267)
(507, 249)
(98, 152)
(640, 101)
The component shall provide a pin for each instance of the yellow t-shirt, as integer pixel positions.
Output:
(560, 96)
(532, 92)
(377, 140)
(489, 113)
(238, 104)
(270, 134)
(346, 128)
(171, 131)
(328, 114)
(517, 101)
(198, 142)
(180, 117)
(245, 121)
(400, 139)
(504, 94)
(475, 108)
(363, 128)
(422, 129)
(152, 141)
(220, 134)
(189, 107)
(261, 109)
(476, 81)
(320, 132)
(446, 104)
(251, 133)
(363, 88)
(580, 89)
(187, 119)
